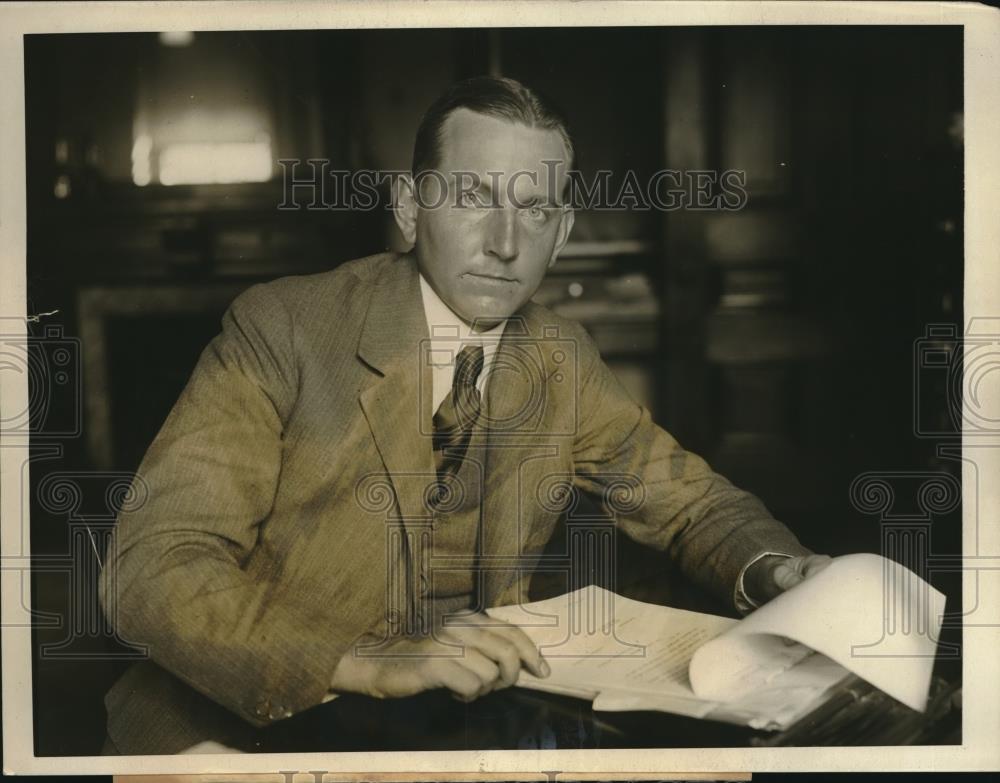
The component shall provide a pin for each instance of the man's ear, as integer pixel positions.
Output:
(404, 208)
(562, 233)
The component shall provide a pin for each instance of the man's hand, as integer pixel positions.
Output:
(470, 660)
(770, 576)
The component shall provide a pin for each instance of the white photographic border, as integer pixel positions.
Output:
(981, 672)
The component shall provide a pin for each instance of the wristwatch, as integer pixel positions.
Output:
(744, 603)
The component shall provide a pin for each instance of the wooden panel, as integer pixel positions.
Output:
(687, 134)
(751, 235)
(737, 337)
(755, 136)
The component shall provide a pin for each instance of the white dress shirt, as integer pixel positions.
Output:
(449, 334)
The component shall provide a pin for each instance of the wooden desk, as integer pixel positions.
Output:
(517, 719)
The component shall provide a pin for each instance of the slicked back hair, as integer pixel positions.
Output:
(499, 97)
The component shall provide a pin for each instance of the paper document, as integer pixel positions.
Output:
(862, 614)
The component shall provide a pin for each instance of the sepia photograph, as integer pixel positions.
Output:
(408, 390)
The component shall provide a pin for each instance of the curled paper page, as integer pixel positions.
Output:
(869, 614)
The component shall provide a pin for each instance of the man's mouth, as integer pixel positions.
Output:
(494, 278)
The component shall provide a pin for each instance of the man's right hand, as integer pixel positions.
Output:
(470, 660)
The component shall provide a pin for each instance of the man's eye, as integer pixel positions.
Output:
(536, 213)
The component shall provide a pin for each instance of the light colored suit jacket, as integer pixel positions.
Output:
(268, 511)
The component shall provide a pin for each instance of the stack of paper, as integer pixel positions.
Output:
(862, 614)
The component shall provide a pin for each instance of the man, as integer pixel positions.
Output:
(361, 453)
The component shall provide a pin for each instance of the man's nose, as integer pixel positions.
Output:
(501, 236)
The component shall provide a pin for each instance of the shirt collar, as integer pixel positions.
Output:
(445, 326)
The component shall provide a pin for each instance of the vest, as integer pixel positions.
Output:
(448, 573)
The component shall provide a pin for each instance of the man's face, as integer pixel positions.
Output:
(485, 245)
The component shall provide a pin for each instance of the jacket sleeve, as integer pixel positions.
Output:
(663, 496)
(174, 577)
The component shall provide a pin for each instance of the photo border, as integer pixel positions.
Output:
(981, 712)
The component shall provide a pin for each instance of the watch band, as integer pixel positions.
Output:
(743, 602)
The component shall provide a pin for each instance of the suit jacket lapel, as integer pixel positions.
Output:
(397, 404)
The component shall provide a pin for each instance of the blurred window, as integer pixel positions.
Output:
(204, 113)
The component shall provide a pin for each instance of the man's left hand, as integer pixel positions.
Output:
(770, 576)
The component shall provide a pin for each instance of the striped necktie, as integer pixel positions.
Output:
(458, 413)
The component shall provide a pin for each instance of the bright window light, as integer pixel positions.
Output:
(215, 163)
(177, 38)
(141, 153)
(204, 116)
